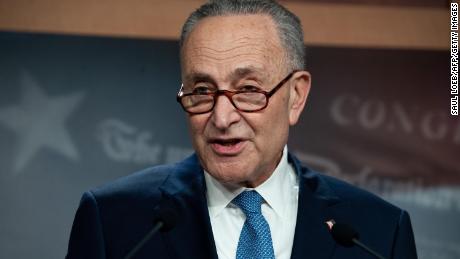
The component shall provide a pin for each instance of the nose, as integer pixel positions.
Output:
(224, 113)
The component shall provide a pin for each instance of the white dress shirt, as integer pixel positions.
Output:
(280, 193)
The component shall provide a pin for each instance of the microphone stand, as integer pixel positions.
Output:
(139, 245)
(367, 249)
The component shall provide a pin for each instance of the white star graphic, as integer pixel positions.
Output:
(39, 120)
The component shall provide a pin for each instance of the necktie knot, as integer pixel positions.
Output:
(249, 202)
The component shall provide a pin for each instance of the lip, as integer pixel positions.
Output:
(227, 150)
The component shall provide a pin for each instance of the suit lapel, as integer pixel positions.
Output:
(316, 200)
(192, 236)
(185, 189)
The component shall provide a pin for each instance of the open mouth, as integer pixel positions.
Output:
(226, 142)
(227, 146)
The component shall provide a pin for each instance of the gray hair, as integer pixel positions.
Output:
(288, 24)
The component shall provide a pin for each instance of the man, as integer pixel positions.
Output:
(242, 194)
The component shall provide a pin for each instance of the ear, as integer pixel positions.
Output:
(300, 87)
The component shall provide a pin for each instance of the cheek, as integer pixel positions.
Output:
(267, 128)
(275, 124)
(197, 125)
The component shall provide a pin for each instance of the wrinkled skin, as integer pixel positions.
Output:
(232, 52)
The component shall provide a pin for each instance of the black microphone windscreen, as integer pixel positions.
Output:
(344, 234)
(168, 216)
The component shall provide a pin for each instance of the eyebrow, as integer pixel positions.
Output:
(198, 77)
(234, 76)
(246, 71)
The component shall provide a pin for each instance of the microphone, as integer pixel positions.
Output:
(165, 220)
(346, 236)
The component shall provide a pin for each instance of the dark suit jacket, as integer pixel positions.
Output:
(112, 219)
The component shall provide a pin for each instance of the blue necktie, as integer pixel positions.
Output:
(255, 238)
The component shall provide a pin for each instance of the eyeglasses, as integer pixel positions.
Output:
(243, 100)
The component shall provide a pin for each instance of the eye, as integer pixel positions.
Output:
(201, 89)
(249, 88)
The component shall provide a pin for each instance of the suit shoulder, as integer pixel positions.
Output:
(143, 182)
(146, 183)
(351, 194)
(348, 194)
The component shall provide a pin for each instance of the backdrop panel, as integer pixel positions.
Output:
(76, 112)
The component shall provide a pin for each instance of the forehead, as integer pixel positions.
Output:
(226, 43)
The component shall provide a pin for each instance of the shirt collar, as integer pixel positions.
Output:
(274, 190)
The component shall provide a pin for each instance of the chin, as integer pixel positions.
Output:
(234, 173)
